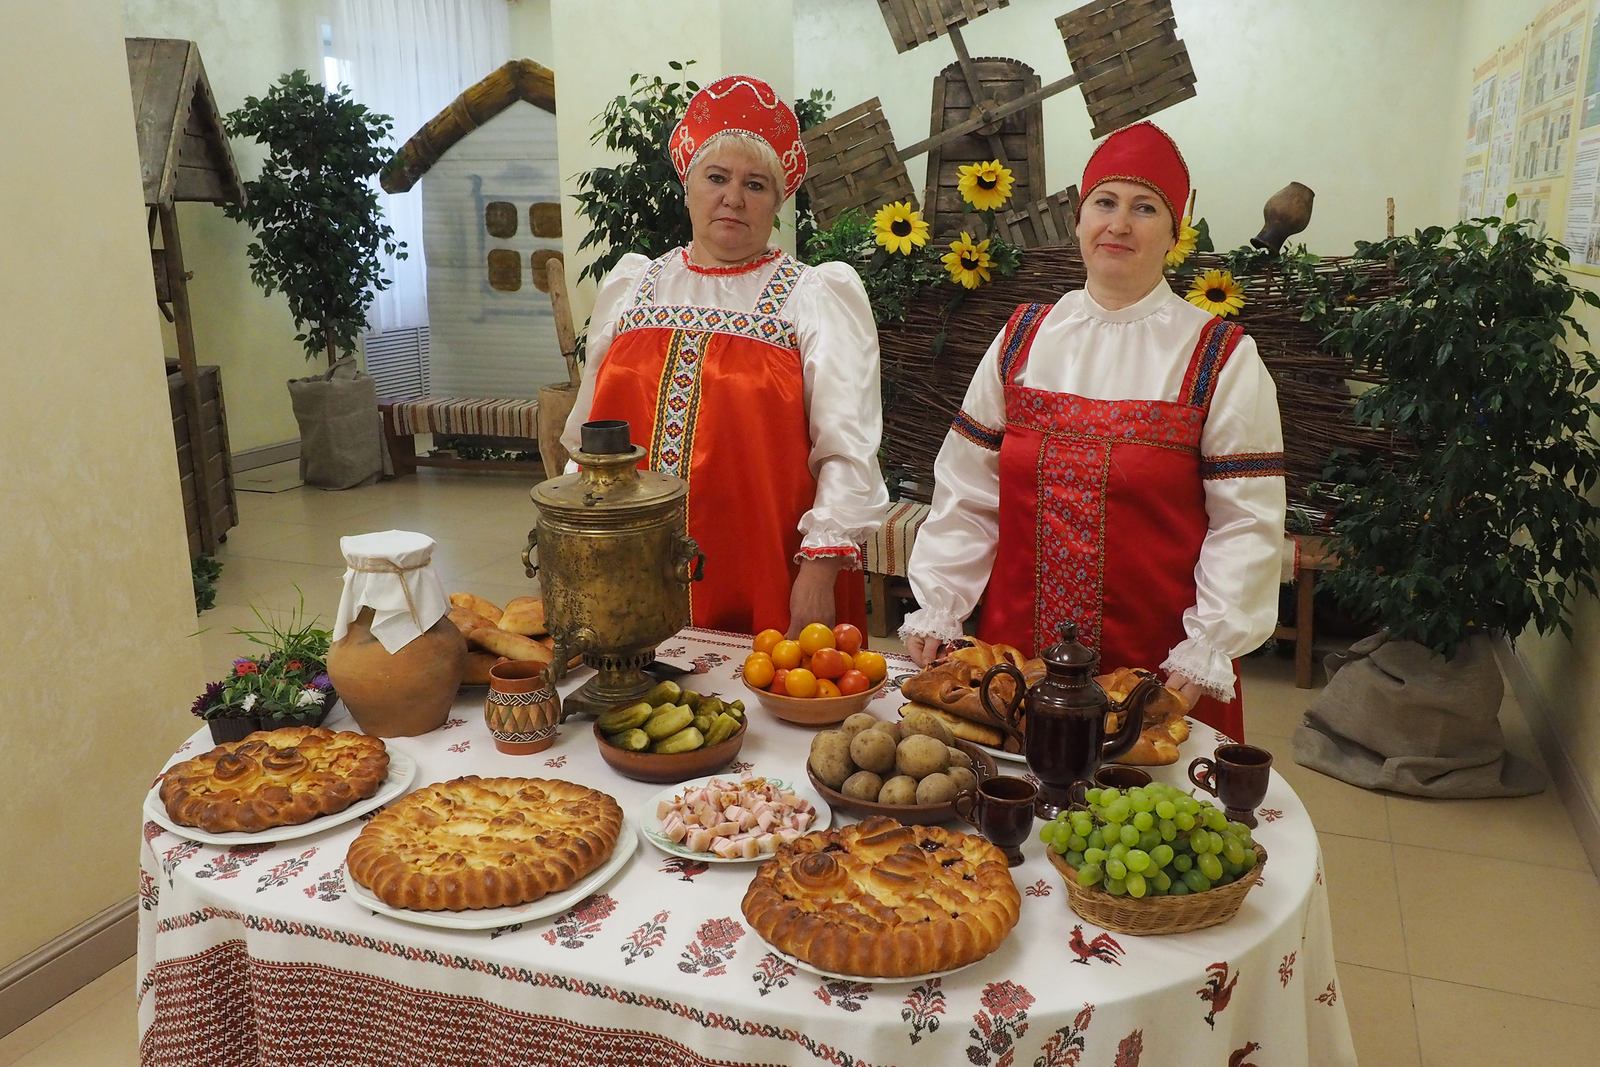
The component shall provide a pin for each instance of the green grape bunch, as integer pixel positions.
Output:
(1153, 840)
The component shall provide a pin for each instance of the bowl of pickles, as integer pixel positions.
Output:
(671, 734)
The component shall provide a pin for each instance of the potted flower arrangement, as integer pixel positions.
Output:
(287, 685)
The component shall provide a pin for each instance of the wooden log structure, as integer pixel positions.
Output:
(853, 163)
(1017, 140)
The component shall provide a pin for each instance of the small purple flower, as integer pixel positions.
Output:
(206, 699)
(322, 681)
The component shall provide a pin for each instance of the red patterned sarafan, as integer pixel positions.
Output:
(999, 1025)
(282, 872)
(772, 973)
(842, 993)
(1217, 991)
(714, 946)
(1065, 1047)
(1286, 970)
(922, 1009)
(643, 942)
(577, 927)
(1129, 1050)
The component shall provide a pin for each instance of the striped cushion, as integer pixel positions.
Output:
(889, 550)
(444, 414)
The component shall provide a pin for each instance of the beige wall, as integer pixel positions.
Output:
(245, 45)
(95, 674)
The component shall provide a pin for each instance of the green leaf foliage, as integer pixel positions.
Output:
(1485, 520)
(314, 208)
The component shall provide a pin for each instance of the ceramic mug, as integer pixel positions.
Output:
(522, 708)
(1001, 809)
(1114, 776)
(1238, 777)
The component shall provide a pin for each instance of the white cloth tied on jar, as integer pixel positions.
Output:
(392, 573)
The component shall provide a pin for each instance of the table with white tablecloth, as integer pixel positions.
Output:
(258, 953)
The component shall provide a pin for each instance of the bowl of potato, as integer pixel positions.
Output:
(909, 770)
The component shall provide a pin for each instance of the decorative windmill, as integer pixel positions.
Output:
(1126, 58)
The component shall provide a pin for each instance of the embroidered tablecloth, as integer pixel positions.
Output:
(257, 954)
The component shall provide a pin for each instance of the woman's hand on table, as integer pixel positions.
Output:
(811, 596)
(1188, 691)
(923, 649)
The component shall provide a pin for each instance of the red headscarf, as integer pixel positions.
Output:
(1141, 153)
(741, 106)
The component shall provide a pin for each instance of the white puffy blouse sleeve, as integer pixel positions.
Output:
(612, 300)
(954, 551)
(839, 356)
(1236, 579)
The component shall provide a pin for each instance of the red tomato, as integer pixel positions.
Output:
(779, 678)
(829, 663)
(853, 681)
(847, 638)
(826, 688)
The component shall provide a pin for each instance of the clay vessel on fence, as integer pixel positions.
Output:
(1285, 214)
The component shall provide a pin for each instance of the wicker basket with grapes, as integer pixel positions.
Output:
(1152, 860)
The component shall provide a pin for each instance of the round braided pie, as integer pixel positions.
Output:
(882, 900)
(274, 778)
(484, 843)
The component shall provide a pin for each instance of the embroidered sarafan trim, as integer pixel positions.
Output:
(677, 405)
(1069, 538)
(852, 554)
(1019, 338)
(645, 291)
(1159, 423)
(747, 267)
(780, 287)
(693, 318)
(977, 432)
(1242, 465)
(1217, 342)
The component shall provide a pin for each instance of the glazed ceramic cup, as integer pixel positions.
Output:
(1114, 777)
(522, 708)
(1238, 777)
(1001, 809)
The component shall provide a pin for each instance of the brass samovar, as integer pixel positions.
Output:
(614, 561)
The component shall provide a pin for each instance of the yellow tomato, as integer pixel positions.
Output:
(801, 683)
(758, 669)
(815, 637)
(786, 654)
(765, 640)
(826, 688)
(872, 664)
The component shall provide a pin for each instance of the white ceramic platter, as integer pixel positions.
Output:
(820, 973)
(650, 826)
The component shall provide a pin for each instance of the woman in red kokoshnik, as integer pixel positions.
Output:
(748, 374)
(1117, 461)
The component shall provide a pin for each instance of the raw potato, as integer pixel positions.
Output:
(830, 758)
(959, 758)
(861, 720)
(899, 790)
(936, 788)
(920, 755)
(872, 750)
(862, 785)
(922, 722)
(963, 778)
(890, 728)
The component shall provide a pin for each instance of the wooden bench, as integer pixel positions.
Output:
(516, 420)
(1307, 554)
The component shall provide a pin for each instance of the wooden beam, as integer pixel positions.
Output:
(988, 116)
(975, 87)
(555, 274)
(188, 368)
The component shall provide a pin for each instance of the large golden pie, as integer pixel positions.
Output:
(484, 843)
(274, 778)
(882, 900)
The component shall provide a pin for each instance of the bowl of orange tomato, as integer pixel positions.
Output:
(823, 676)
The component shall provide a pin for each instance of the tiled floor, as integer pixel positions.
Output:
(1467, 931)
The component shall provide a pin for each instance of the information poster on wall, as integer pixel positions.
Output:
(1542, 162)
(1480, 125)
(1581, 233)
(1503, 128)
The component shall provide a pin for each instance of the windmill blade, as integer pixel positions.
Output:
(1128, 60)
(853, 163)
(914, 22)
(1047, 223)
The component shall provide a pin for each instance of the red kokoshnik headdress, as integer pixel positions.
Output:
(739, 106)
(1140, 153)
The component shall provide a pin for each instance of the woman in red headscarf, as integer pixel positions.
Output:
(748, 374)
(1117, 462)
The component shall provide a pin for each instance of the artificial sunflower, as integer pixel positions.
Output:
(899, 227)
(1216, 291)
(985, 185)
(1186, 238)
(968, 263)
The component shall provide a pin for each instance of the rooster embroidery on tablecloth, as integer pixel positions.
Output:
(686, 869)
(1129, 1050)
(1104, 947)
(1217, 991)
(1237, 1057)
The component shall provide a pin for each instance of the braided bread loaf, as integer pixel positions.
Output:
(879, 899)
(274, 778)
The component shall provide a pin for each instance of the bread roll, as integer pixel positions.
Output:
(510, 645)
(473, 602)
(478, 664)
(467, 620)
(525, 616)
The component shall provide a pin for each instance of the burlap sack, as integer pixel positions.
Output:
(1397, 716)
(341, 437)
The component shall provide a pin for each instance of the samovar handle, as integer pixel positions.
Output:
(690, 561)
(529, 567)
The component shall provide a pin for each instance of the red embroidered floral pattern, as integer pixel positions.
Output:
(578, 926)
(643, 942)
(282, 872)
(841, 993)
(772, 973)
(1286, 969)
(714, 946)
(1129, 1050)
(328, 887)
(1065, 1047)
(999, 1025)
(922, 1009)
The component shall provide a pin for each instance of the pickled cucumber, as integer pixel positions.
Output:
(664, 722)
(686, 740)
(702, 721)
(690, 699)
(723, 727)
(710, 706)
(664, 693)
(735, 708)
(632, 740)
(619, 719)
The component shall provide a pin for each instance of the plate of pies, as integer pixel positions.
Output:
(476, 853)
(278, 785)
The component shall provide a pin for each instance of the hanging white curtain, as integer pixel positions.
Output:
(408, 59)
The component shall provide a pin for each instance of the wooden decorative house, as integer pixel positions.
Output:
(184, 156)
(491, 221)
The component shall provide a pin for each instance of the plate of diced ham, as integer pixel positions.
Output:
(727, 819)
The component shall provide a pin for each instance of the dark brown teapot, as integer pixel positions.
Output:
(1060, 721)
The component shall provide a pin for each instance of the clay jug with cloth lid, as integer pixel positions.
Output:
(1061, 719)
(396, 658)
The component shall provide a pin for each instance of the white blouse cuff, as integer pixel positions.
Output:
(1203, 665)
(930, 622)
(850, 553)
